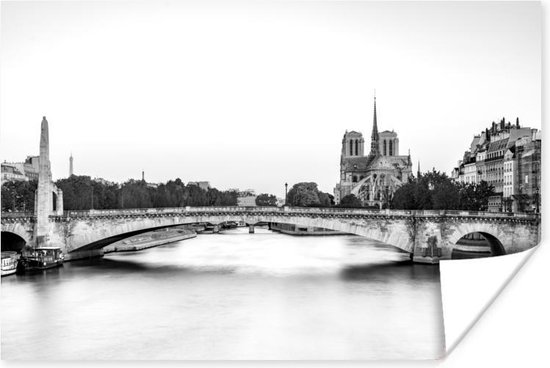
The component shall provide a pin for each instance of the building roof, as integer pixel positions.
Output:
(369, 162)
(516, 134)
(11, 169)
(353, 133)
(357, 163)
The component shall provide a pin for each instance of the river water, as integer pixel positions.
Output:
(231, 295)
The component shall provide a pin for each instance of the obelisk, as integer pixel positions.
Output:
(44, 203)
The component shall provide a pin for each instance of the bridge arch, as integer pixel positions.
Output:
(22, 230)
(477, 245)
(481, 238)
(12, 241)
(91, 234)
(377, 233)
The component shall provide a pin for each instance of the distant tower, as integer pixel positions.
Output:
(44, 201)
(143, 176)
(418, 171)
(374, 146)
(71, 171)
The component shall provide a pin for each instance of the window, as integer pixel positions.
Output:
(356, 147)
(385, 152)
(391, 148)
(351, 148)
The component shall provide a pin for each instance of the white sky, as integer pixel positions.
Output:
(255, 94)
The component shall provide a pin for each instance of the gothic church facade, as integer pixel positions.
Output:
(373, 178)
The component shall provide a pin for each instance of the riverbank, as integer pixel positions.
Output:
(291, 229)
(150, 240)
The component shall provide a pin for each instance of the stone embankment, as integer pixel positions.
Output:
(150, 240)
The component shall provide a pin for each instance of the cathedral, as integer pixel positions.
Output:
(372, 178)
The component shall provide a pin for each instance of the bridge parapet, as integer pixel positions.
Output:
(15, 215)
(300, 211)
(247, 210)
(451, 213)
(281, 211)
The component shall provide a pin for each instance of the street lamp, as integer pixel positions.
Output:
(286, 194)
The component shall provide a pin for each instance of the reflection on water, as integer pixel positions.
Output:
(229, 296)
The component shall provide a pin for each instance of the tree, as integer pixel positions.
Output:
(264, 200)
(404, 197)
(351, 201)
(435, 190)
(475, 197)
(306, 194)
(81, 192)
(445, 196)
(18, 195)
(324, 199)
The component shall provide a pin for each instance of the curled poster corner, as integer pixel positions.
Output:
(470, 286)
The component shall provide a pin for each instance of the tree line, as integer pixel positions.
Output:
(434, 191)
(431, 190)
(84, 193)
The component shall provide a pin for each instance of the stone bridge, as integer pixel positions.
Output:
(427, 235)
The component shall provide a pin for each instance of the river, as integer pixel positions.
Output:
(231, 295)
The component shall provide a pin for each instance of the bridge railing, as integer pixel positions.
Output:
(472, 213)
(292, 210)
(17, 214)
(191, 210)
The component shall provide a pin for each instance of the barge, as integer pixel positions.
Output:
(39, 259)
(9, 263)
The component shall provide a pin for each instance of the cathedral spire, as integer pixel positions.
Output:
(374, 146)
(418, 171)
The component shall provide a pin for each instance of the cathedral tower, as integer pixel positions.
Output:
(353, 145)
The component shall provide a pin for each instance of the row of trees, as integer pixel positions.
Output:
(84, 193)
(433, 190)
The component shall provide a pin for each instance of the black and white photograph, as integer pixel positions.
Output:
(259, 180)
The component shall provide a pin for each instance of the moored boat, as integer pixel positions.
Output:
(39, 259)
(9, 263)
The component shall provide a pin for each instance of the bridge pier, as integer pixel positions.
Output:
(251, 229)
(430, 252)
(216, 229)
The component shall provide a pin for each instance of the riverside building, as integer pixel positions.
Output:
(506, 156)
(21, 171)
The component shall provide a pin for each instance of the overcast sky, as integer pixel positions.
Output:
(256, 94)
